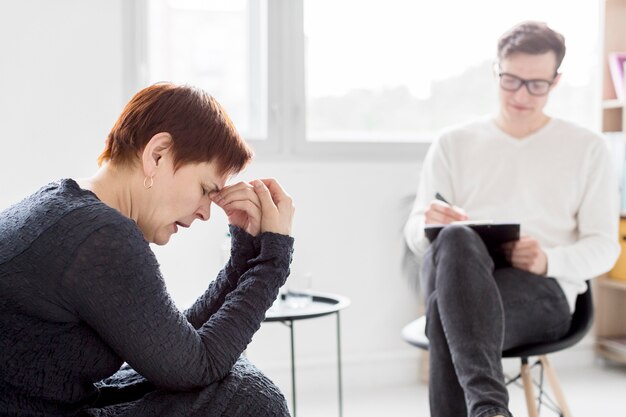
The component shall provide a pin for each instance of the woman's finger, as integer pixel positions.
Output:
(246, 206)
(245, 215)
(242, 194)
(230, 189)
(241, 185)
(265, 197)
(277, 207)
(276, 190)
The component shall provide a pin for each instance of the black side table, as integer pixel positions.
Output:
(323, 304)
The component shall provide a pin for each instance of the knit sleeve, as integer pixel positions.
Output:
(434, 178)
(114, 285)
(596, 249)
(242, 250)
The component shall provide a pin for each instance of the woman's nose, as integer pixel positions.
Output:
(204, 211)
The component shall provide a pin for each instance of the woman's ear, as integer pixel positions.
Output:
(158, 146)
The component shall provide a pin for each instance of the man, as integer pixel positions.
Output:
(553, 177)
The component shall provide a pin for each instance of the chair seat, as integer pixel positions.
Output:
(414, 333)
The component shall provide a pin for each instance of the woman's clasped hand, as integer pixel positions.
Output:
(259, 206)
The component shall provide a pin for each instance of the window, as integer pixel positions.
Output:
(334, 76)
(400, 70)
(218, 45)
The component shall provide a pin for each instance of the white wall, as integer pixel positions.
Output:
(61, 88)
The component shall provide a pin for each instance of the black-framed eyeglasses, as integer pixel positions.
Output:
(536, 87)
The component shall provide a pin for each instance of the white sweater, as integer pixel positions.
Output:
(558, 183)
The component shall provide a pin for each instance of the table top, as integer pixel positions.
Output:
(322, 305)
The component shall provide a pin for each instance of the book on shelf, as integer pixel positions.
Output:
(616, 142)
(616, 68)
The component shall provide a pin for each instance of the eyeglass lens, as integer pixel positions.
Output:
(534, 87)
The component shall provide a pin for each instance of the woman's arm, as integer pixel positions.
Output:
(243, 208)
(114, 285)
(242, 250)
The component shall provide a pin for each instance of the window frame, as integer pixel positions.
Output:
(286, 100)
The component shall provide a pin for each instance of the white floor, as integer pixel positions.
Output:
(592, 387)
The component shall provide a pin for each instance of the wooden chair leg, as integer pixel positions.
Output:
(556, 387)
(529, 392)
(424, 367)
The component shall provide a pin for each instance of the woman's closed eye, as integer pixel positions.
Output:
(206, 189)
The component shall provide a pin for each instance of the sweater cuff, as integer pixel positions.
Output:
(275, 248)
(242, 248)
(556, 263)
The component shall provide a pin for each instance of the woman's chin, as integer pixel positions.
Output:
(161, 239)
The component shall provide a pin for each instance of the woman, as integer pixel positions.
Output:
(81, 292)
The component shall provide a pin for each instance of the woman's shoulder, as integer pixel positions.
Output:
(85, 214)
(55, 201)
(60, 212)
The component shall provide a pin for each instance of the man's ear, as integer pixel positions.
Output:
(156, 148)
(556, 80)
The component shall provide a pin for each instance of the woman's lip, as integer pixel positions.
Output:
(182, 224)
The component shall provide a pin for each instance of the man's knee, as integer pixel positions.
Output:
(457, 234)
(458, 243)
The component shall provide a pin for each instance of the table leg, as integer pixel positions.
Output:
(293, 370)
(339, 380)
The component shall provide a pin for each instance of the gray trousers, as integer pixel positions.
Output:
(244, 392)
(475, 311)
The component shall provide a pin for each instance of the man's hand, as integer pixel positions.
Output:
(439, 212)
(527, 255)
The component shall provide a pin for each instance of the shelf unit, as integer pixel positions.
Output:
(610, 308)
(610, 293)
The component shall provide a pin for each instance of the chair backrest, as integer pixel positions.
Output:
(581, 323)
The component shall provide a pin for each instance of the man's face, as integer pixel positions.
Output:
(521, 105)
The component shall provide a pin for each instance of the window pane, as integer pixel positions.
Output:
(219, 46)
(400, 70)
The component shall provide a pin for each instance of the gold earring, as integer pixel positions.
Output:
(146, 185)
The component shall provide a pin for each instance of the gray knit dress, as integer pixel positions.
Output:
(81, 293)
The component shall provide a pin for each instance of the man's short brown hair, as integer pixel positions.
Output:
(532, 38)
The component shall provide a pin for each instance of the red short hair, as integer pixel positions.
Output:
(200, 128)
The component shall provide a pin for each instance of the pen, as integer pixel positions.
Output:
(440, 198)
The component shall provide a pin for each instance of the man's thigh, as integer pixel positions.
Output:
(535, 308)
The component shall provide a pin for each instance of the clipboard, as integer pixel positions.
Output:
(493, 234)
